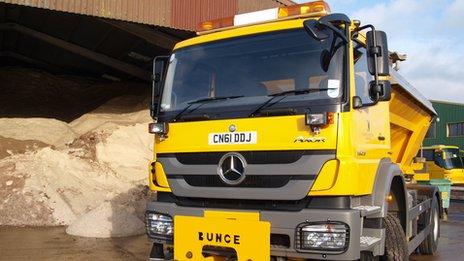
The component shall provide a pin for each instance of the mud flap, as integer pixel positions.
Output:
(239, 233)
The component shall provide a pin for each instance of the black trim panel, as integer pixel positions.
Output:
(338, 202)
(374, 223)
(252, 157)
(233, 112)
(250, 181)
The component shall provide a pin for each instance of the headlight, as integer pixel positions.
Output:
(330, 236)
(318, 119)
(159, 226)
(160, 128)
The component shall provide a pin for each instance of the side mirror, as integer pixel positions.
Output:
(160, 65)
(316, 30)
(377, 53)
(322, 28)
(380, 91)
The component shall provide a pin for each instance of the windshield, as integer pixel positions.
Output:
(252, 69)
(451, 159)
(446, 158)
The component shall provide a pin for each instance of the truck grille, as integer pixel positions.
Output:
(262, 181)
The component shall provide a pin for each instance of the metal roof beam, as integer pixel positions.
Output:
(32, 61)
(76, 49)
(152, 36)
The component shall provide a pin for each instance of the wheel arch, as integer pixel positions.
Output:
(398, 201)
(389, 179)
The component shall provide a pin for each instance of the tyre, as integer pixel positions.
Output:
(430, 244)
(396, 246)
(160, 252)
(368, 256)
(157, 252)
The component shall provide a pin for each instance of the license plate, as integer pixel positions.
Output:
(225, 138)
(243, 232)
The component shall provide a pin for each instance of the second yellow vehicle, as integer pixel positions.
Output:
(444, 162)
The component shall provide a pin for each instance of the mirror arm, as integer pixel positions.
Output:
(327, 22)
(364, 27)
(335, 30)
(339, 18)
(353, 37)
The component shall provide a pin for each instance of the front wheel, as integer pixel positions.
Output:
(368, 256)
(160, 252)
(396, 246)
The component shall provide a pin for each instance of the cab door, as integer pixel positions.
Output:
(370, 124)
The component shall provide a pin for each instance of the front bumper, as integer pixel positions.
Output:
(284, 223)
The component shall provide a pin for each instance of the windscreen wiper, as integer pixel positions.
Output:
(284, 94)
(297, 92)
(201, 102)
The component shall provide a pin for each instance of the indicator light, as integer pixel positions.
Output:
(389, 197)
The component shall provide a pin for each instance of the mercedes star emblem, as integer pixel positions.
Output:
(231, 168)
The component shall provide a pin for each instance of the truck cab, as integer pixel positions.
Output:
(283, 134)
(444, 162)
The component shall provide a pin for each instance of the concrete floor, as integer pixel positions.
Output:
(51, 243)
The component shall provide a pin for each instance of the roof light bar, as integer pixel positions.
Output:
(316, 8)
(216, 24)
(259, 16)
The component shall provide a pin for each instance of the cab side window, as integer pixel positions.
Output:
(362, 77)
(427, 154)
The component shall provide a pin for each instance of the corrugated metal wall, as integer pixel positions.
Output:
(181, 14)
(448, 113)
(187, 14)
(155, 12)
(245, 6)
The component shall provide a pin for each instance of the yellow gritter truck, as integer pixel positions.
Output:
(284, 135)
(444, 162)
